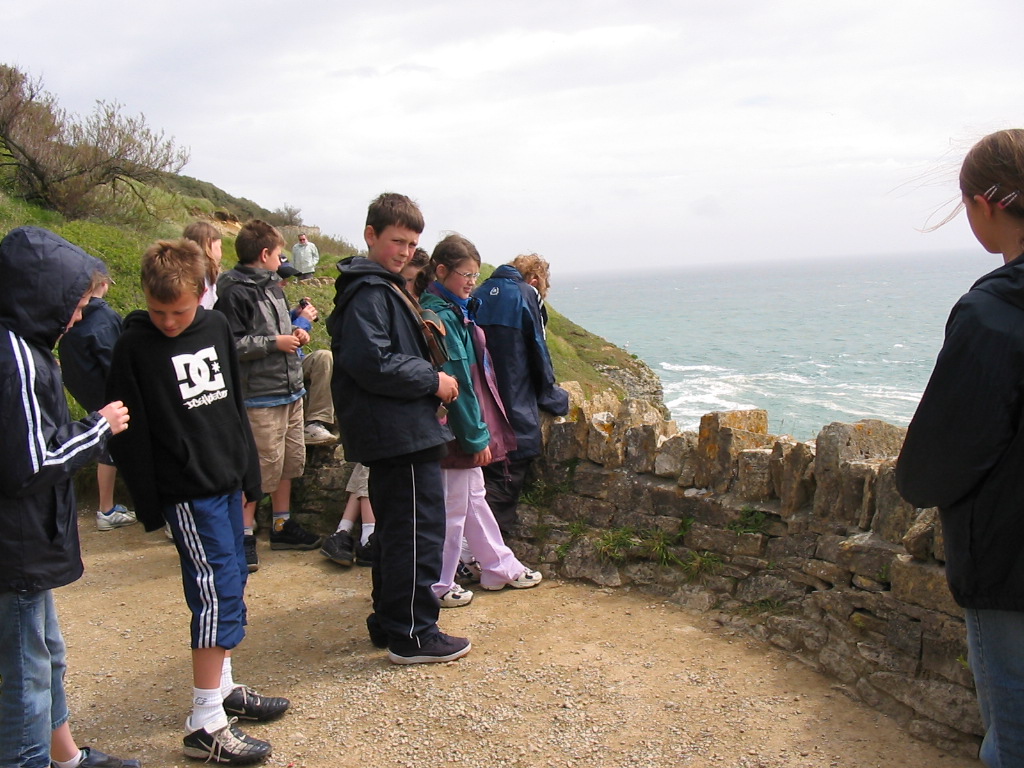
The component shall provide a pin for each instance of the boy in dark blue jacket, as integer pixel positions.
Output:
(49, 281)
(510, 314)
(85, 354)
(386, 397)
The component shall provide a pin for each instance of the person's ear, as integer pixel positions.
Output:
(369, 235)
(984, 205)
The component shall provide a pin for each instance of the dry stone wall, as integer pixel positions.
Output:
(806, 545)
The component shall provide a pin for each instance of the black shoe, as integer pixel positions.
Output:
(365, 553)
(96, 759)
(293, 536)
(225, 745)
(338, 548)
(245, 704)
(251, 558)
(433, 648)
(378, 636)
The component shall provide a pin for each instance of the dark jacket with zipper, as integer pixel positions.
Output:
(510, 315)
(964, 451)
(42, 448)
(257, 311)
(383, 382)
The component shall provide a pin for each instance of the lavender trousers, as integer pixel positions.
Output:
(467, 514)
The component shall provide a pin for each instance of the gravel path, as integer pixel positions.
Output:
(562, 675)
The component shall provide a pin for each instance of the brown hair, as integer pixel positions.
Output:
(255, 237)
(393, 209)
(451, 251)
(172, 269)
(205, 234)
(532, 265)
(997, 161)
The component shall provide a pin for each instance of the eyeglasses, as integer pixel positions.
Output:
(467, 275)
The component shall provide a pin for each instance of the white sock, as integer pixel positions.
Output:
(466, 555)
(364, 535)
(227, 682)
(207, 708)
(346, 525)
(74, 762)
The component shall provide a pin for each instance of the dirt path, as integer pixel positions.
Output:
(562, 675)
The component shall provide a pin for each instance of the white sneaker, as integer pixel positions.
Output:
(455, 597)
(118, 517)
(525, 580)
(316, 433)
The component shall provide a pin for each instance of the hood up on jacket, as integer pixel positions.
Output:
(53, 275)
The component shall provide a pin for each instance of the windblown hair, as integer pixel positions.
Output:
(997, 161)
(172, 269)
(532, 265)
(451, 251)
(255, 237)
(205, 234)
(392, 209)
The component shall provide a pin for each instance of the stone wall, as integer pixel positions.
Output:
(806, 545)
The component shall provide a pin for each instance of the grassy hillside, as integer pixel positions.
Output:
(577, 354)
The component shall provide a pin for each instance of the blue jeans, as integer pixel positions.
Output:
(995, 641)
(32, 667)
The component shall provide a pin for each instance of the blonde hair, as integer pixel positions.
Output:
(205, 235)
(534, 266)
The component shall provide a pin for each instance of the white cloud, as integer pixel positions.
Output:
(587, 131)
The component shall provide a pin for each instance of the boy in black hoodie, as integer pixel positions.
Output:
(386, 398)
(187, 462)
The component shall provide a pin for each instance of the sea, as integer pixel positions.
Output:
(811, 342)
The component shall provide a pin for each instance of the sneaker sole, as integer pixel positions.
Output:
(513, 585)
(112, 526)
(331, 441)
(394, 658)
(289, 545)
(207, 756)
(338, 560)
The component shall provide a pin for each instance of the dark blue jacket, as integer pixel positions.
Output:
(41, 448)
(383, 384)
(964, 451)
(510, 315)
(86, 351)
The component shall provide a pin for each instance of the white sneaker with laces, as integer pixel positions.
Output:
(455, 597)
(118, 517)
(316, 433)
(525, 580)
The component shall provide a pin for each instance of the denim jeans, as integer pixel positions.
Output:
(995, 641)
(32, 666)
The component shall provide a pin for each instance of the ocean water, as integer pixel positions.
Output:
(810, 342)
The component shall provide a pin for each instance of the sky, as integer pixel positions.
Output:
(605, 135)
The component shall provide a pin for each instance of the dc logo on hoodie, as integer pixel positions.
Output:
(199, 378)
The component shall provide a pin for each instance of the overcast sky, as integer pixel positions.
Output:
(604, 135)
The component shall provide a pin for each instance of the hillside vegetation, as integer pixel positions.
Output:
(577, 354)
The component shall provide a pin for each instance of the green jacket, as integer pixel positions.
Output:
(464, 415)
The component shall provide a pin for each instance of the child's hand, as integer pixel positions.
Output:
(288, 343)
(116, 414)
(447, 387)
(482, 458)
(302, 335)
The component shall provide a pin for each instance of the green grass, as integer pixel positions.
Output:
(750, 521)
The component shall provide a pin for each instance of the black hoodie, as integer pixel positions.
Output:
(189, 436)
(383, 381)
(42, 448)
(964, 451)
